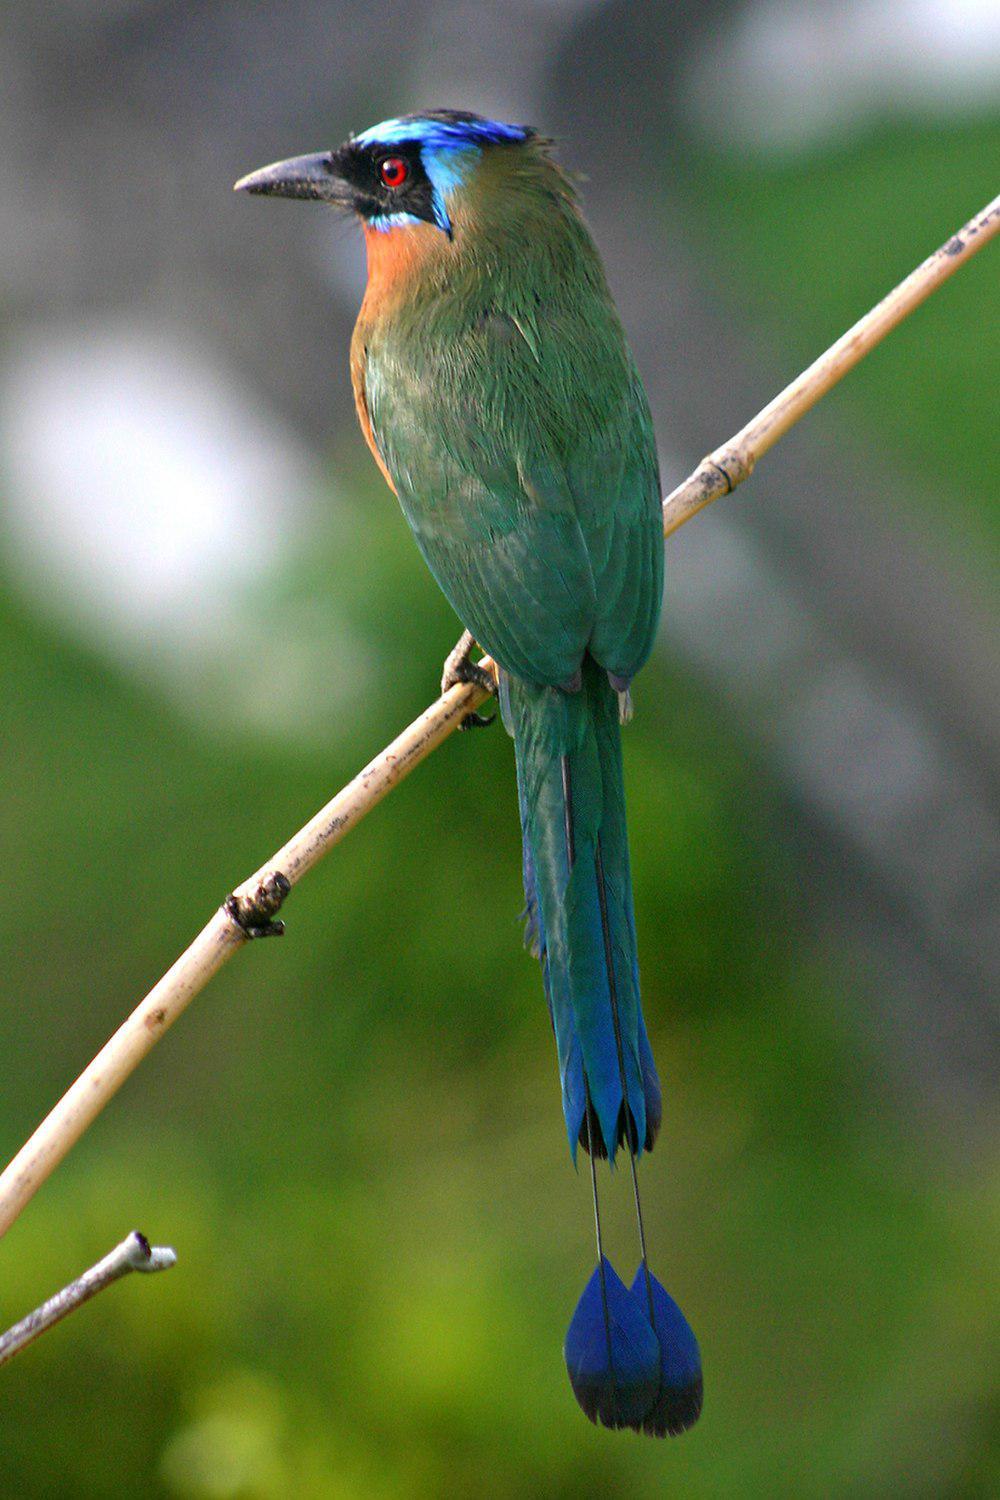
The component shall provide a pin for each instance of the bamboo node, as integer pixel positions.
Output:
(734, 464)
(253, 911)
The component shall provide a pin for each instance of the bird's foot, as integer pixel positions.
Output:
(459, 667)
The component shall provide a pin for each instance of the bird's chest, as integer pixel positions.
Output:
(425, 355)
(443, 384)
(490, 391)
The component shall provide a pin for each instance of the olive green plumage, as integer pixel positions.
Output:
(506, 406)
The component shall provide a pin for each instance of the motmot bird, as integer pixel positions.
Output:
(497, 392)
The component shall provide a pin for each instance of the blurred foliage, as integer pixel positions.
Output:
(354, 1139)
(808, 243)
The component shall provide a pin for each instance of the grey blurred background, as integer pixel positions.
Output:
(194, 543)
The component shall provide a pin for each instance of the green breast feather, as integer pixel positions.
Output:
(517, 433)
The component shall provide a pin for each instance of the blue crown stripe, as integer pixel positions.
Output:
(447, 149)
(441, 135)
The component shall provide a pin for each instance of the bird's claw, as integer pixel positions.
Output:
(459, 667)
(477, 721)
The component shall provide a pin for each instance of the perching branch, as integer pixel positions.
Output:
(728, 466)
(251, 909)
(135, 1253)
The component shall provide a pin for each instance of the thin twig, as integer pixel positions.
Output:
(135, 1253)
(251, 908)
(728, 466)
(252, 904)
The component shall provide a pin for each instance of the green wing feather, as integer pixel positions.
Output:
(511, 418)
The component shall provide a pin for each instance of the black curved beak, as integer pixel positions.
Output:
(313, 176)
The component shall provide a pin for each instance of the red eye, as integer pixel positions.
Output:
(394, 171)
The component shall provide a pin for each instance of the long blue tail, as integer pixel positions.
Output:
(632, 1358)
(579, 906)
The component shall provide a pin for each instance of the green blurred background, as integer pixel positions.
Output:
(354, 1138)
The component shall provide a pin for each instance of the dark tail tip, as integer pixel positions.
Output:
(675, 1411)
(591, 1134)
(678, 1405)
(612, 1354)
(590, 1137)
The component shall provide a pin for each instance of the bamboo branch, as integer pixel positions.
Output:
(135, 1253)
(251, 909)
(728, 466)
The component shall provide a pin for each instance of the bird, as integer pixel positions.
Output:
(495, 387)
